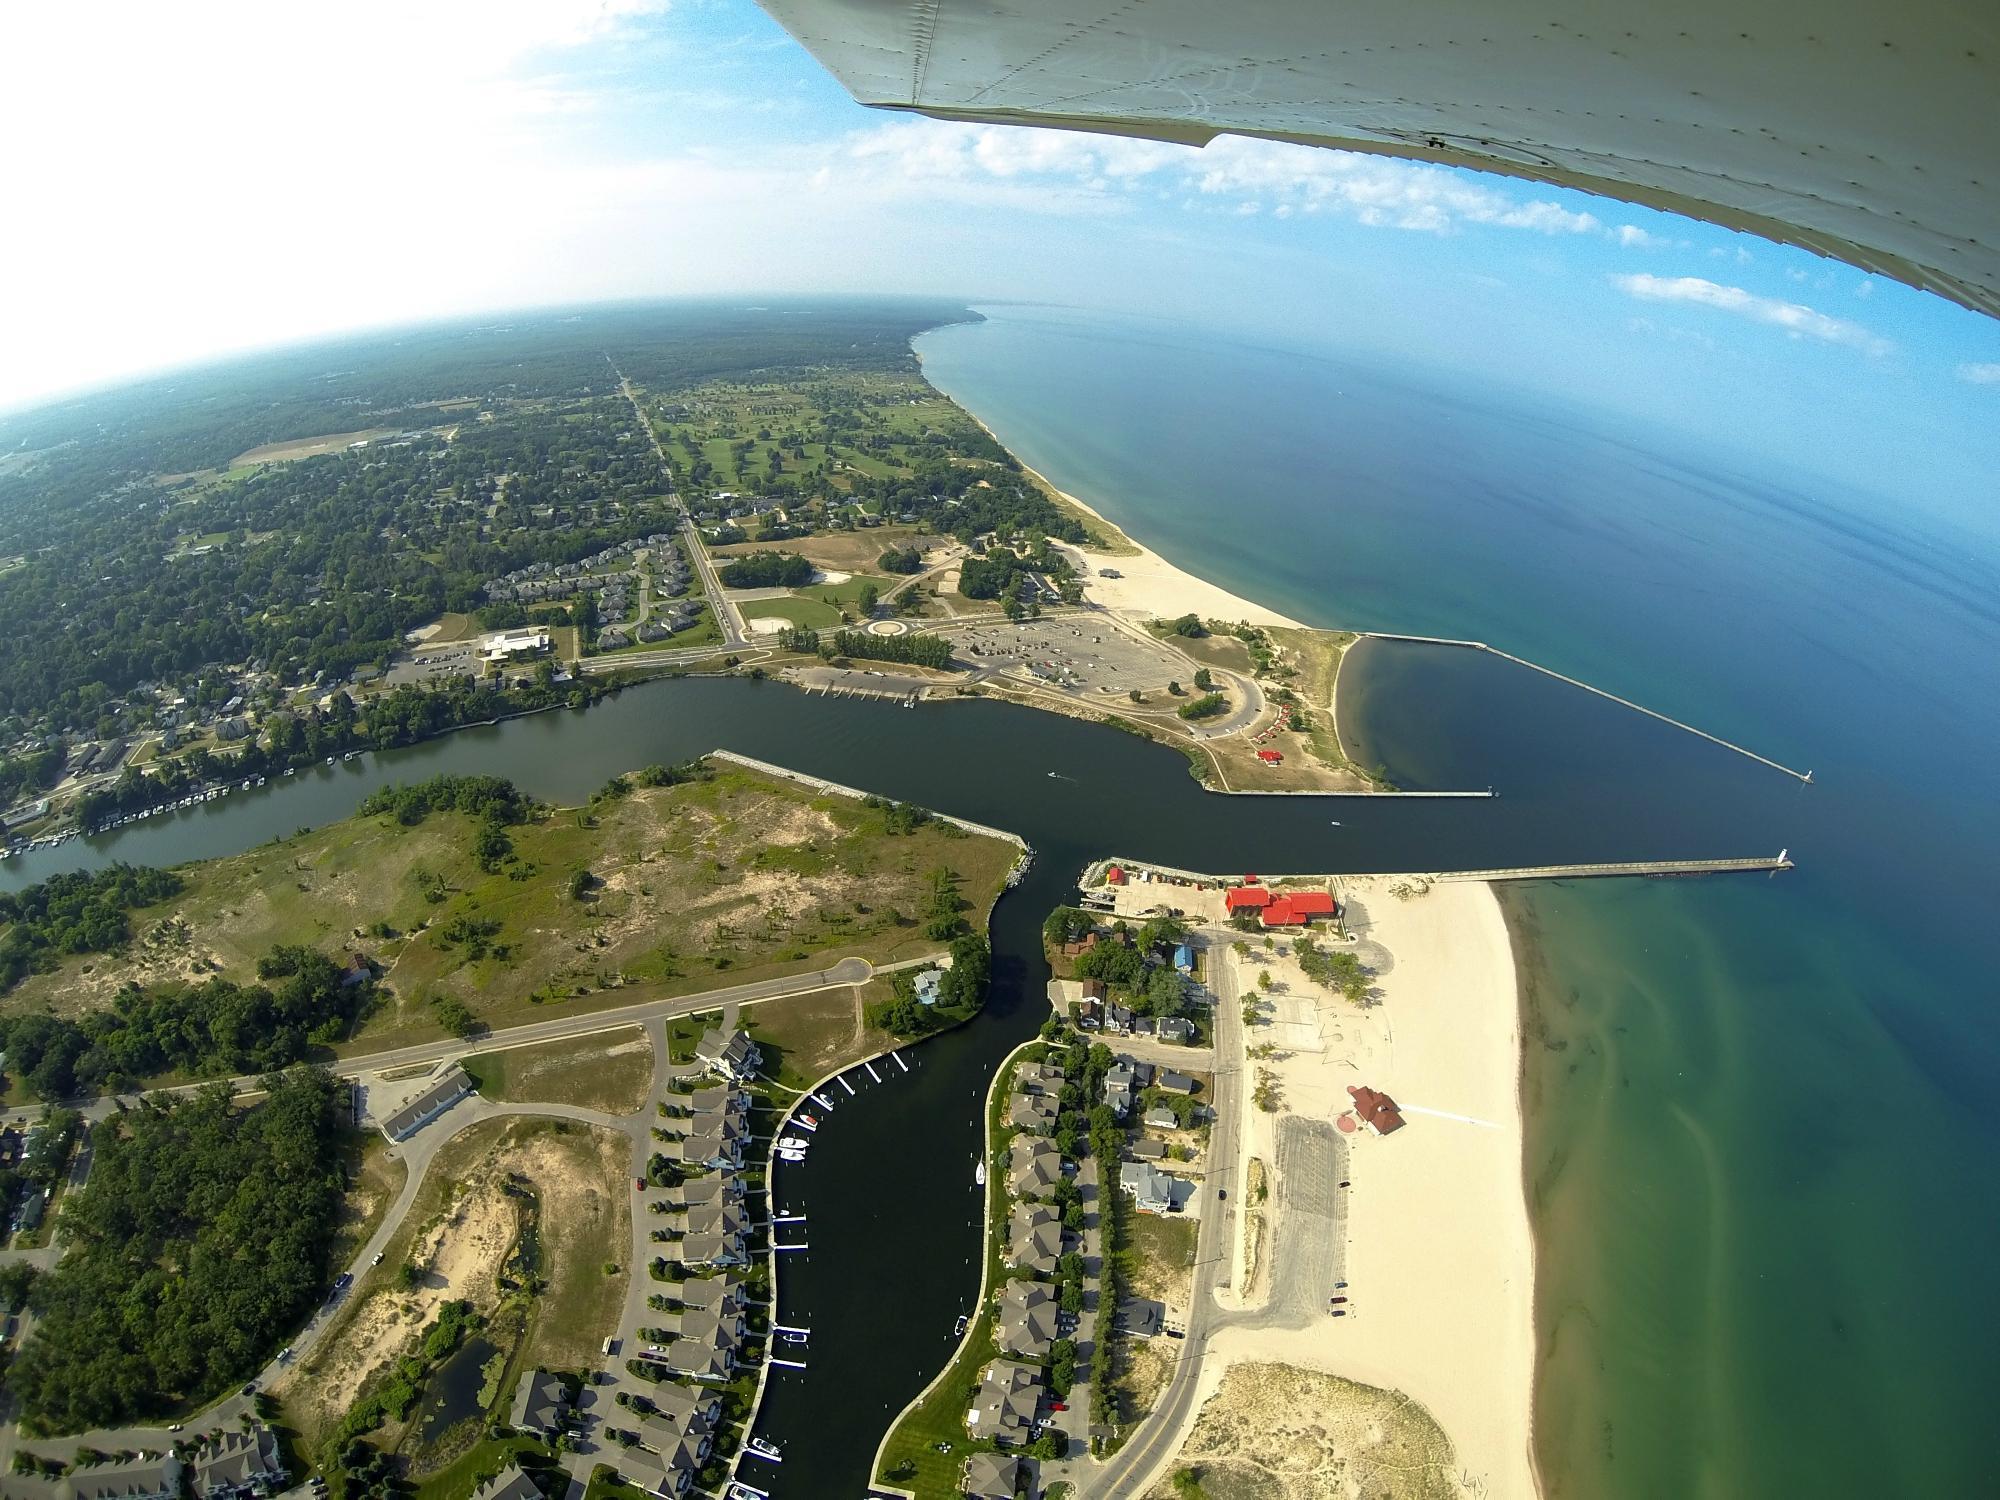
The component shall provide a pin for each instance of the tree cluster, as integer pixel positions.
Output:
(216, 1028)
(75, 912)
(1338, 971)
(198, 1243)
(916, 649)
(485, 797)
(763, 570)
(961, 991)
(1207, 706)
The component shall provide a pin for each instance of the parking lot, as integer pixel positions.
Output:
(429, 664)
(1083, 656)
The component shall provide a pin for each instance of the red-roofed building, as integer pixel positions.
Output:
(1297, 908)
(1280, 914)
(1115, 875)
(1377, 1108)
(1270, 757)
(1247, 898)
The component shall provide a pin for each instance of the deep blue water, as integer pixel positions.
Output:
(1761, 1130)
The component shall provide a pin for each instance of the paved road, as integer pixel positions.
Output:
(726, 613)
(1132, 1470)
(1245, 694)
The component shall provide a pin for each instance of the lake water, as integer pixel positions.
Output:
(1761, 1138)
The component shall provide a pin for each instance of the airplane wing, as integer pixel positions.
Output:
(1865, 132)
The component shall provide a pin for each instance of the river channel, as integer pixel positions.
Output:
(892, 1219)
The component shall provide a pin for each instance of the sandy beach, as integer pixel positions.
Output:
(1439, 1257)
(1148, 586)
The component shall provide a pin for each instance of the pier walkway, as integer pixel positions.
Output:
(1782, 860)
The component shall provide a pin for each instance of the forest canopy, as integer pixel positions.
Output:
(199, 1241)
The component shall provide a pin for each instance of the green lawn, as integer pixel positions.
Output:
(847, 595)
(812, 614)
(684, 1031)
(458, 1478)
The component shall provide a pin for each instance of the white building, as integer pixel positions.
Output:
(506, 645)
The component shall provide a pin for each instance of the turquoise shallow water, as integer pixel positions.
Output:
(1761, 1138)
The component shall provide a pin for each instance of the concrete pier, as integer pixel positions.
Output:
(1654, 867)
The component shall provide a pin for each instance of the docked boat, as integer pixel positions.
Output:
(763, 1448)
(979, 1172)
(791, 1156)
(823, 1102)
(793, 1143)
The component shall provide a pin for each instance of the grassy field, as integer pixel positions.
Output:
(737, 877)
(797, 610)
(1213, 650)
(806, 1037)
(847, 595)
(378, 1178)
(838, 551)
(611, 1071)
(737, 429)
(1162, 1254)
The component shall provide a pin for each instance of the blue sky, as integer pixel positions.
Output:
(242, 175)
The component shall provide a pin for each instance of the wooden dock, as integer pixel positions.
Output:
(1659, 868)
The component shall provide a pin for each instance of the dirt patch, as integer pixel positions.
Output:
(839, 551)
(1279, 1433)
(1145, 1368)
(462, 1232)
(332, 442)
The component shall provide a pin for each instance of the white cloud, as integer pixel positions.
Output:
(1632, 237)
(1795, 318)
(1233, 174)
(1980, 374)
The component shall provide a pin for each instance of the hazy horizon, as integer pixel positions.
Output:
(210, 188)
